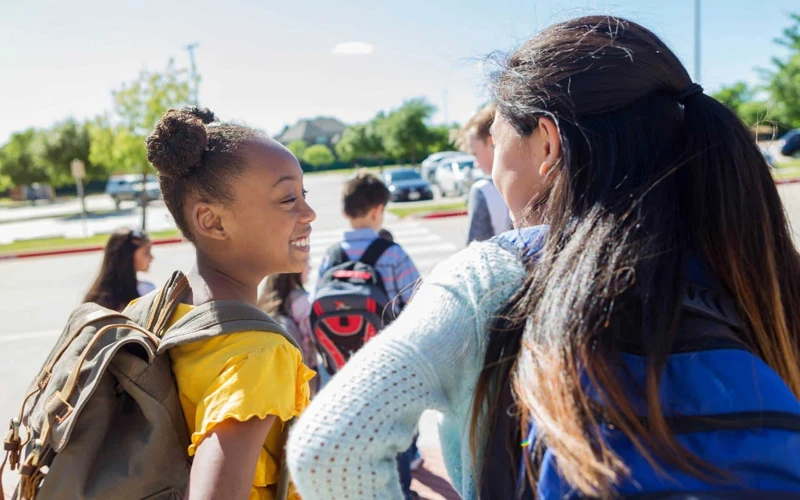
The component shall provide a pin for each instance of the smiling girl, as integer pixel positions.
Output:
(238, 196)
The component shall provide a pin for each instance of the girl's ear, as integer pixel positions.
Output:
(206, 220)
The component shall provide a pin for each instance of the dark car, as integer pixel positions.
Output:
(407, 185)
(791, 143)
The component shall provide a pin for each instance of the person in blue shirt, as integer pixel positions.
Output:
(364, 199)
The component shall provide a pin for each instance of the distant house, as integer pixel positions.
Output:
(320, 130)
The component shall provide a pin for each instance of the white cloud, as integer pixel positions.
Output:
(353, 49)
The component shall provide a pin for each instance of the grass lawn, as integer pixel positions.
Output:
(402, 211)
(6, 202)
(788, 170)
(37, 245)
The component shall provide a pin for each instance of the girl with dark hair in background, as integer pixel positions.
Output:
(647, 340)
(285, 298)
(238, 196)
(127, 253)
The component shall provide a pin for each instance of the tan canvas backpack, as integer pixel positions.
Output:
(102, 419)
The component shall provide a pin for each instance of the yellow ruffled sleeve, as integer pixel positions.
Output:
(268, 381)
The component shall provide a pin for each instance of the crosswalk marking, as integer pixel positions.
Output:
(418, 242)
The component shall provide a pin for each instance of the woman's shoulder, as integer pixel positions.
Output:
(524, 242)
(500, 258)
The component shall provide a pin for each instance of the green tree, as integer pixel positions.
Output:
(404, 132)
(741, 99)
(297, 147)
(734, 95)
(784, 80)
(21, 158)
(318, 155)
(359, 142)
(118, 140)
(5, 183)
(442, 138)
(64, 142)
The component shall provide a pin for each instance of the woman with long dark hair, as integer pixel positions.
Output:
(647, 340)
(127, 253)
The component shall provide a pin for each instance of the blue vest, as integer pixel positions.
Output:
(723, 403)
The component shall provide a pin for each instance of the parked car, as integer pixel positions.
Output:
(455, 174)
(430, 163)
(129, 188)
(406, 184)
(790, 143)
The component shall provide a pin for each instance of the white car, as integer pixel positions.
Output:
(455, 174)
(129, 188)
(429, 164)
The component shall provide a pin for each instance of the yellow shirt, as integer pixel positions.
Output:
(241, 376)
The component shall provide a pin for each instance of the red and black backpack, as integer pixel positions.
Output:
(351, 305)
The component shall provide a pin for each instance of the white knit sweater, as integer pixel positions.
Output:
(345, 444)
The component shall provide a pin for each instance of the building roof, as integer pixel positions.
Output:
(310, 130)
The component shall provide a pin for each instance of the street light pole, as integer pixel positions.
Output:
(697, 41)
(195, 96)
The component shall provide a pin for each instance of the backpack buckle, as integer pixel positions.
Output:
(44, 379)
(37, 452)
(12, 445)
(13, 430)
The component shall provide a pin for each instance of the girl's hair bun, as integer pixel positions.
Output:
(177, 144)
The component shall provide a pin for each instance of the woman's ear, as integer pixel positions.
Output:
(552, 144)
(206, 221)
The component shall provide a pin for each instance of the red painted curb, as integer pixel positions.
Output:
(788, 181)
(443, 215)
(69, 251)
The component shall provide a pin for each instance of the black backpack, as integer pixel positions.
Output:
(351, 305)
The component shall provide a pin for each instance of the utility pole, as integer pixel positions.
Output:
(195, 82)
(697, 41)
(445, 107)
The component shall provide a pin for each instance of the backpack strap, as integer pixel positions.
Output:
(374, 251)
(220, 317)
(154, 310)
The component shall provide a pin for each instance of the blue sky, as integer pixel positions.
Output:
(270, 63)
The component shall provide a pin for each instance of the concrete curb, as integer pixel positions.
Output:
(443, 214)
(78, 250)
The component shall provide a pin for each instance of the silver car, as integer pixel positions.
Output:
(429, 164)
(129, 188)
(455, 174)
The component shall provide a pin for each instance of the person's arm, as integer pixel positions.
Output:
(225, 462)
(346, 442)
(480, 221)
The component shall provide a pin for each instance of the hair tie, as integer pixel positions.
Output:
(690, 91)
